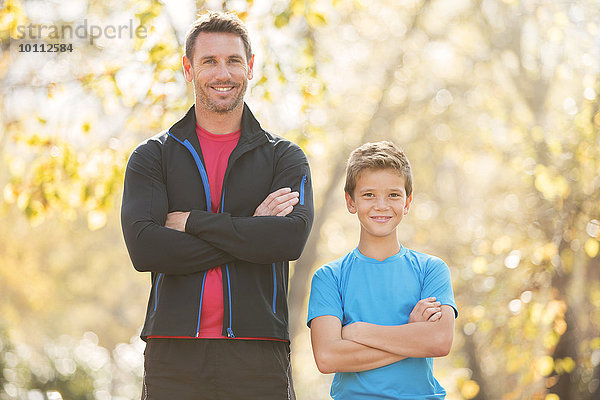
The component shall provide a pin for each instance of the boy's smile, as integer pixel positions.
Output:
(380, 202)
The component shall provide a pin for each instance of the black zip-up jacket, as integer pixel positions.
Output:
(166, 173)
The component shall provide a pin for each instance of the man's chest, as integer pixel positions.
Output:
(245, 183)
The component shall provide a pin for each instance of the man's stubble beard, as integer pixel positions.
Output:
(204, 99)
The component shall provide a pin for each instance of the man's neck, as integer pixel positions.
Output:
(378, 248)
(220, 123)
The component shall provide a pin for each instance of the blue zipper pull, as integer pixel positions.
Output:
(230, 333)
(302, 182)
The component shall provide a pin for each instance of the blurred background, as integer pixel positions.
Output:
(495, 103)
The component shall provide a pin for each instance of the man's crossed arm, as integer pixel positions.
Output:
(278, 204)
(362, 346)
(277, 231)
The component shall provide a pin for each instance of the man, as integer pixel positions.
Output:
(214, 208)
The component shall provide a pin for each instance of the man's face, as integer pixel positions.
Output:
(219, 71)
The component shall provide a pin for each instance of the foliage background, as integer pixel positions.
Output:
(494, 101)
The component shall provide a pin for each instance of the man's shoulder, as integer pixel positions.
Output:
(282, 145)
(152, 143)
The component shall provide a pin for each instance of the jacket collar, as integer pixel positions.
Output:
(251, 134)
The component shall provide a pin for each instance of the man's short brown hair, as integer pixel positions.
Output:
(377, 155)
(217, 22)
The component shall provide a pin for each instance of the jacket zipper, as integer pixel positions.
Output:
(160, 276)
(206, 185)
(200, 167)
(229, 330)
(302, 182)
(200, 306)
(274, 289)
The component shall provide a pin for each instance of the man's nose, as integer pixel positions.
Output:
(222, 71)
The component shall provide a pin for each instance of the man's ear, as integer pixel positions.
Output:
(187, 69)
(350, 204)
(251, 67)
(407, 204)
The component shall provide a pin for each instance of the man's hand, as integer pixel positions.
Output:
(279, 203)
(176, 220)
(426, 310)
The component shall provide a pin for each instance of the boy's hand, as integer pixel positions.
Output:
(279, 203)
(426, 310)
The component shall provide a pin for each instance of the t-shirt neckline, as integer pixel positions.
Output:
(217, 138)
(390, 259)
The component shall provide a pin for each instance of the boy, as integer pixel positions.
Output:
(363, 324)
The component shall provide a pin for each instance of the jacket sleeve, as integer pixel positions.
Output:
(264, 239)
(151, 246)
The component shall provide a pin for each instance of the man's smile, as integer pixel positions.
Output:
(223, 88)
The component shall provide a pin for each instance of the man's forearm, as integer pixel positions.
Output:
(256, 239)
(159, 249)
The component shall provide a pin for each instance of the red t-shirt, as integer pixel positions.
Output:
(216, 150)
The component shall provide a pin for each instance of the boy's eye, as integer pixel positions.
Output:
(368, 194)
(394, 194)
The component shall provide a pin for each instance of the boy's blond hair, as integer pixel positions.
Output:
(377, 155)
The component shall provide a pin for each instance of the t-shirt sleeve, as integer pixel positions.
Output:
(438, 284)
(325, 298)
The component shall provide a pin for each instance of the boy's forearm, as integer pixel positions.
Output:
(334, 354)
(349, 356)
(418, 339)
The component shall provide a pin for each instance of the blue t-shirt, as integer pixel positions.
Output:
(359, 288)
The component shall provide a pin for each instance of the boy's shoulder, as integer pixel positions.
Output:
(336, 265)
(423, 257)
(427, 264)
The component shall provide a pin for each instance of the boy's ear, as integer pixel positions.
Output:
(350, 204)
(407, 204)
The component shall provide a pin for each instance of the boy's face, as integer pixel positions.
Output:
(379, 201)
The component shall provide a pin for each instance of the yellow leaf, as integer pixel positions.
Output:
(591, 247)
(469, 389)
(96, 220)
(551, 184)
(545, 365)
(567, 365)
(560, 326)
(12, 16)
(551, 396)
(479, 265)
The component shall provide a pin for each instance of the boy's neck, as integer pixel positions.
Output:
(378, 248)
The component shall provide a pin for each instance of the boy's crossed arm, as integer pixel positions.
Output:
(338, 349)
(419, 339)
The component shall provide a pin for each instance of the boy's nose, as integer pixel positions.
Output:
(381, 204)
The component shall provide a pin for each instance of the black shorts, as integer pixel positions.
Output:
(217, 369)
